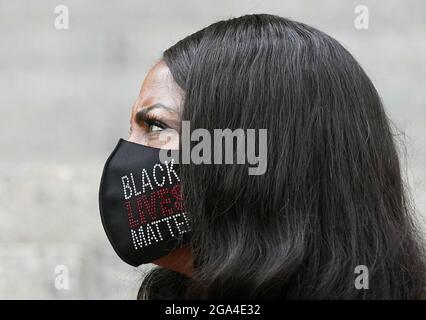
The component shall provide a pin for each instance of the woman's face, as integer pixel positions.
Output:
(156, 114)
(155, 120)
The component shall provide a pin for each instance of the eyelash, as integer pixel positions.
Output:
(150, 120)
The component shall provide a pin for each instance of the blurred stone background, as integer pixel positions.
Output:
(65, 98)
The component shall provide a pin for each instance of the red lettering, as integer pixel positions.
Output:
(133, 223)
(164, 202)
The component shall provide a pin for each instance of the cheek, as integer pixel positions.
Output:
(138, 136)
(166, 139)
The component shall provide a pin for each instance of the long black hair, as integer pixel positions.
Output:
(332, 197)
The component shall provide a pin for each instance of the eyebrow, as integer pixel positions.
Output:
(146, 110)
(142, 113)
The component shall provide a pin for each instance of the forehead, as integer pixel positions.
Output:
(159, 87)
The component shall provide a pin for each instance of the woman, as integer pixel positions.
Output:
(332, 198)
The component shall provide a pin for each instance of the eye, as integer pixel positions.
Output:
(150, 122)
(154, 125)
(154, 128)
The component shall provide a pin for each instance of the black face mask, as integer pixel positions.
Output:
(141, 205)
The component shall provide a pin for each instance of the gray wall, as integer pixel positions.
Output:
(65, 99)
